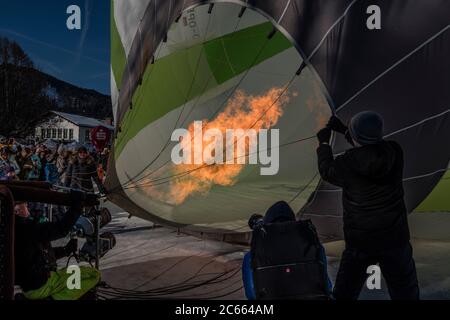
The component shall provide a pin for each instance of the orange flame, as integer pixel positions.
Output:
(318, 106)
(242, 112)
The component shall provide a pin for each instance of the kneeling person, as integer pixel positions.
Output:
(286, 260)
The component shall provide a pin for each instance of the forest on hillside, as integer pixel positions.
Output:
(27, 94)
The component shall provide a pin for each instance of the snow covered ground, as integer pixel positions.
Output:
(171, 265)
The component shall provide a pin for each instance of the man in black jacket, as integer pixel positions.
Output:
(375, 218)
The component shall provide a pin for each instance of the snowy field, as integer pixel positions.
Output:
(171, 265)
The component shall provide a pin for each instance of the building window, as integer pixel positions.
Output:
(49, 133)
(43, 133)
(70, 134)
(66, 134)
(53, 133)
(60, 132)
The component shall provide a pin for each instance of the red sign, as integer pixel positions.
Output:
(100, 137)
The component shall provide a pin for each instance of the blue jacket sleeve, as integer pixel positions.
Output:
(247, 277)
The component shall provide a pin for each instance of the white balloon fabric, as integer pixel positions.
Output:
(287, 65)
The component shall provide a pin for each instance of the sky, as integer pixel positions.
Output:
(80, 57)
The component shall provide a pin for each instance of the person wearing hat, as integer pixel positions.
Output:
(286, 259)
(374, 213)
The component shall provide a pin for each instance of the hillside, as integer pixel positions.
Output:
(27, 94)
(72, 99)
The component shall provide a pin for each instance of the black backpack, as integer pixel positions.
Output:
(288, 262)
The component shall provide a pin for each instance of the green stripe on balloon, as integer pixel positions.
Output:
(234, 53)
(167, 83)
(439, 199)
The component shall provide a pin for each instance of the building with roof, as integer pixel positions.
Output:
(66, 127)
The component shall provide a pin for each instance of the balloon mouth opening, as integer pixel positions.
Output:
(236, 74)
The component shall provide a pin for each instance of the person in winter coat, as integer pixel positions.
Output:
(21, 159)
(62, 164)
(375, 217)
(36, 167)
(7, 165)
(43, 159)
(104, 157)
(103, 163)
(51, 171)
(82, 171)
(278, 213)
(11, 175)
(13, 151)
(30, 165)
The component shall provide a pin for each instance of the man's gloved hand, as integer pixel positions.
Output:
(324, 135)
(337, 125)
(71, 247)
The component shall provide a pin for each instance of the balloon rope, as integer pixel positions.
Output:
(179, 175)
(170, 178)
(305, 187)
(131, 180)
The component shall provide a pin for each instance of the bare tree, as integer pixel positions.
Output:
(22, 95)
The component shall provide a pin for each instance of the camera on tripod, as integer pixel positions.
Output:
(256, 222)
(88, 227)
(88, 252)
